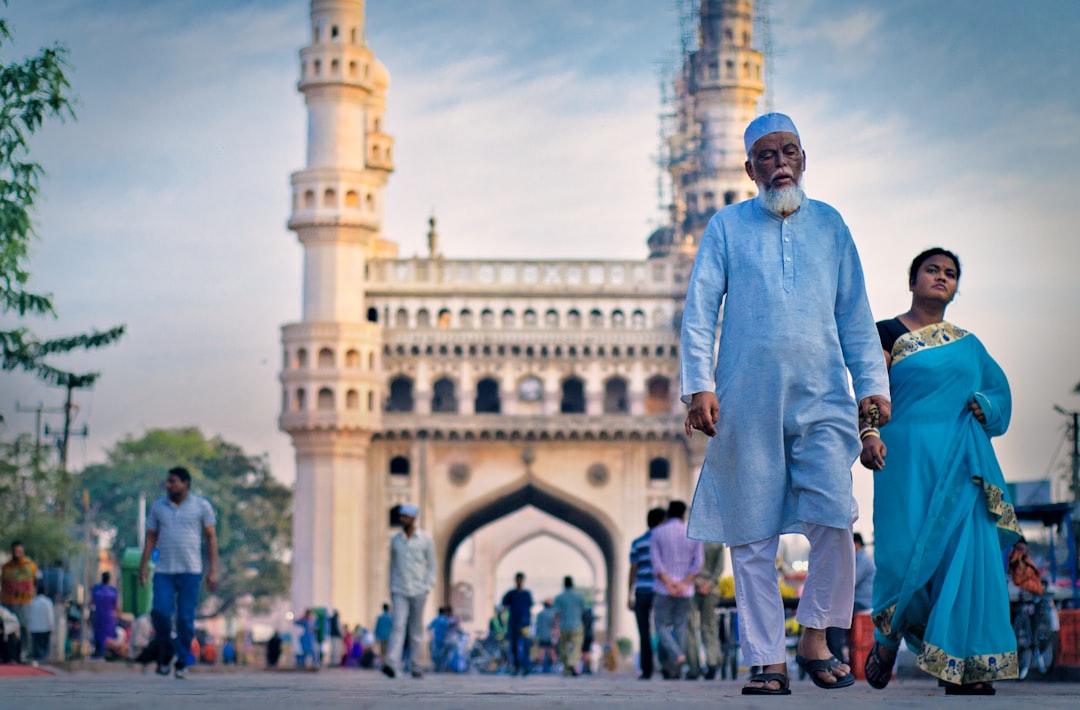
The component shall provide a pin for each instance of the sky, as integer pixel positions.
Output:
(530, 130)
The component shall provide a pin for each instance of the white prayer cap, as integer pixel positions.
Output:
(765, 124)
(408, 509)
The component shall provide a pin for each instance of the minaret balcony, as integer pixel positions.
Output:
(332, 218)
(380, 148)
(293, 421)
(337, 64)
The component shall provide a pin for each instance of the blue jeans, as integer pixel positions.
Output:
(175, 595)
(519, 648)
(670, 615)
(643, 604)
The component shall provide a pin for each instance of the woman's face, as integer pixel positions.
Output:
(936, 279)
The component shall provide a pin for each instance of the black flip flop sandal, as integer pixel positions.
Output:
(825, 665)
(765, 678)
(972, 689)
(880, 677)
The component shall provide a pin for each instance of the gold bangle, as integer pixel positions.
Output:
(869, 431)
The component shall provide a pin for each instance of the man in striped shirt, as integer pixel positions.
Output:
(176, 526)
(641, 589)
(676, 560)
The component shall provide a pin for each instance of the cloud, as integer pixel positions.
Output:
(530, 129)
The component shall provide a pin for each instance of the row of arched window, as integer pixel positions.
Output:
(487, 398)
(324, 400)
(354, 69)
(310, 201)
(659, 468)
(320, 33)
(529, 318)
(708, 201)
(326, 359)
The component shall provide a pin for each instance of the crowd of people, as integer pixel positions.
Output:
(774, 398)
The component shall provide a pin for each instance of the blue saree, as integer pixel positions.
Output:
(941, 510)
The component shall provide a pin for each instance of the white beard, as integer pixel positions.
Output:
(783, 201)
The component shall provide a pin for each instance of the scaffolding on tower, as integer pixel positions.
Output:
(692, 146)
(763, 33)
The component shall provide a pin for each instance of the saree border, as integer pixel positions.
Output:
(998, 506)
(984, 668)
(930, 336)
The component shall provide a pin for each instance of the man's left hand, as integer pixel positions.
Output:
(211, 580)
(884, 407)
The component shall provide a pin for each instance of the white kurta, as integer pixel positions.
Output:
(796, 321)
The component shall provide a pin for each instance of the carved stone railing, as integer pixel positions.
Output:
(403, 276)
(574, 427)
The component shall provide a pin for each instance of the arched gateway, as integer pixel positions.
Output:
(476, 388)
(587, 519)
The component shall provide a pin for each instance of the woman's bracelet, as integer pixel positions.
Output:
(869, 431)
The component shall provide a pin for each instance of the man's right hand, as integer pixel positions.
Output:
(703, 415)
(144, 574)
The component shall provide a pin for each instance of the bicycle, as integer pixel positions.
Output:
(1033, 625)
(490, 656)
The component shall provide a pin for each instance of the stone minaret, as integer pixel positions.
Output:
(716, 97)
(331, 386)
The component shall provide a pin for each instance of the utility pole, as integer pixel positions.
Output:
(1074, 485)
(1076, 460)
(88, 574)
(1074, 421)
(70, 409)
(38, 411)
(67, 427)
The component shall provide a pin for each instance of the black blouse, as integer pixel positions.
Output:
(889, 331)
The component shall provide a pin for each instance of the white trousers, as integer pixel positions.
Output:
(827, 599)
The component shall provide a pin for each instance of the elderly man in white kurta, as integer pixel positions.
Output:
(785, 428)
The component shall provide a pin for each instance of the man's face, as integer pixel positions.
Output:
(406, 520)
(174, 486)
(776, 161)
(519, 580)
(18, 552)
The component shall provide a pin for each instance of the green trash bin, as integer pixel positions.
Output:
(135, 598)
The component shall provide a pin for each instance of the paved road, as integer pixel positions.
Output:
(123, 689)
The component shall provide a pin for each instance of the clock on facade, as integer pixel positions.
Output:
(531, 389)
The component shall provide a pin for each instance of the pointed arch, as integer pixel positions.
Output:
(559, 505)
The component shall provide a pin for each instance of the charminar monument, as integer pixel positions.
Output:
(508, 399)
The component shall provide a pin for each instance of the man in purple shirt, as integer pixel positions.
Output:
(676, 560)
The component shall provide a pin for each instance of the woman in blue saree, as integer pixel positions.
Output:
(941, 511)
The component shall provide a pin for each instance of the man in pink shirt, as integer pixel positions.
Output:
(676, 561)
